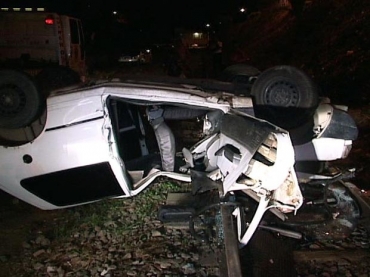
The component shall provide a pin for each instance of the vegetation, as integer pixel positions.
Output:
(117, 215)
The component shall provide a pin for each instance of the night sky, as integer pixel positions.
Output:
(190, 12)
(153, 19)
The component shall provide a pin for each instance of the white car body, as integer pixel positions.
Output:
(79, 156)
(67, 143)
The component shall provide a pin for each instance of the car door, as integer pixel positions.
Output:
(71, 162)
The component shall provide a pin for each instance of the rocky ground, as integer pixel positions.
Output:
(347, 257)
(124, 238)
(111, 238)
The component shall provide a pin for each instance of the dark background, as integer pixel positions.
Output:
(327, 39)
(156, 19)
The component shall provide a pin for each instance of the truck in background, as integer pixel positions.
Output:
(44, 44)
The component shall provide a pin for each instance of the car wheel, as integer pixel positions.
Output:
(51, 78)
(20, 100)
(285, 96)
(240, 73)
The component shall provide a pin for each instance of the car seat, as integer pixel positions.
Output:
(164, 136)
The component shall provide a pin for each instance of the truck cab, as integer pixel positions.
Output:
(32, 40)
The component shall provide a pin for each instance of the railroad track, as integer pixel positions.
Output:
(267, 253)
(210, 222)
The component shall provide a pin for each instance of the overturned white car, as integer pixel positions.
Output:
(113, 138)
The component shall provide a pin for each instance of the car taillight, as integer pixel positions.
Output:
(49, 21)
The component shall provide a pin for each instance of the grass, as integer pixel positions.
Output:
(118, 216)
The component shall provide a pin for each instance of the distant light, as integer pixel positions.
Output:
(196, 35)
(49, 21)
(114, 12)
(22, 9)
(208, 25)
(242, 10)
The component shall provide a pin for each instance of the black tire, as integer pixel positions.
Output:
(20, 100)
(285, 96)
(240, 73)
(56, 77)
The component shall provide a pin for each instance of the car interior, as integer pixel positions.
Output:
(154, 136)
(160, 135)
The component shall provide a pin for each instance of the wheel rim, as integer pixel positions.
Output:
(282, 93)
(12, 101)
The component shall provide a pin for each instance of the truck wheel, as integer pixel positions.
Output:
(20, 100)
(285, 96)
(240, 73)
(56, 77)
